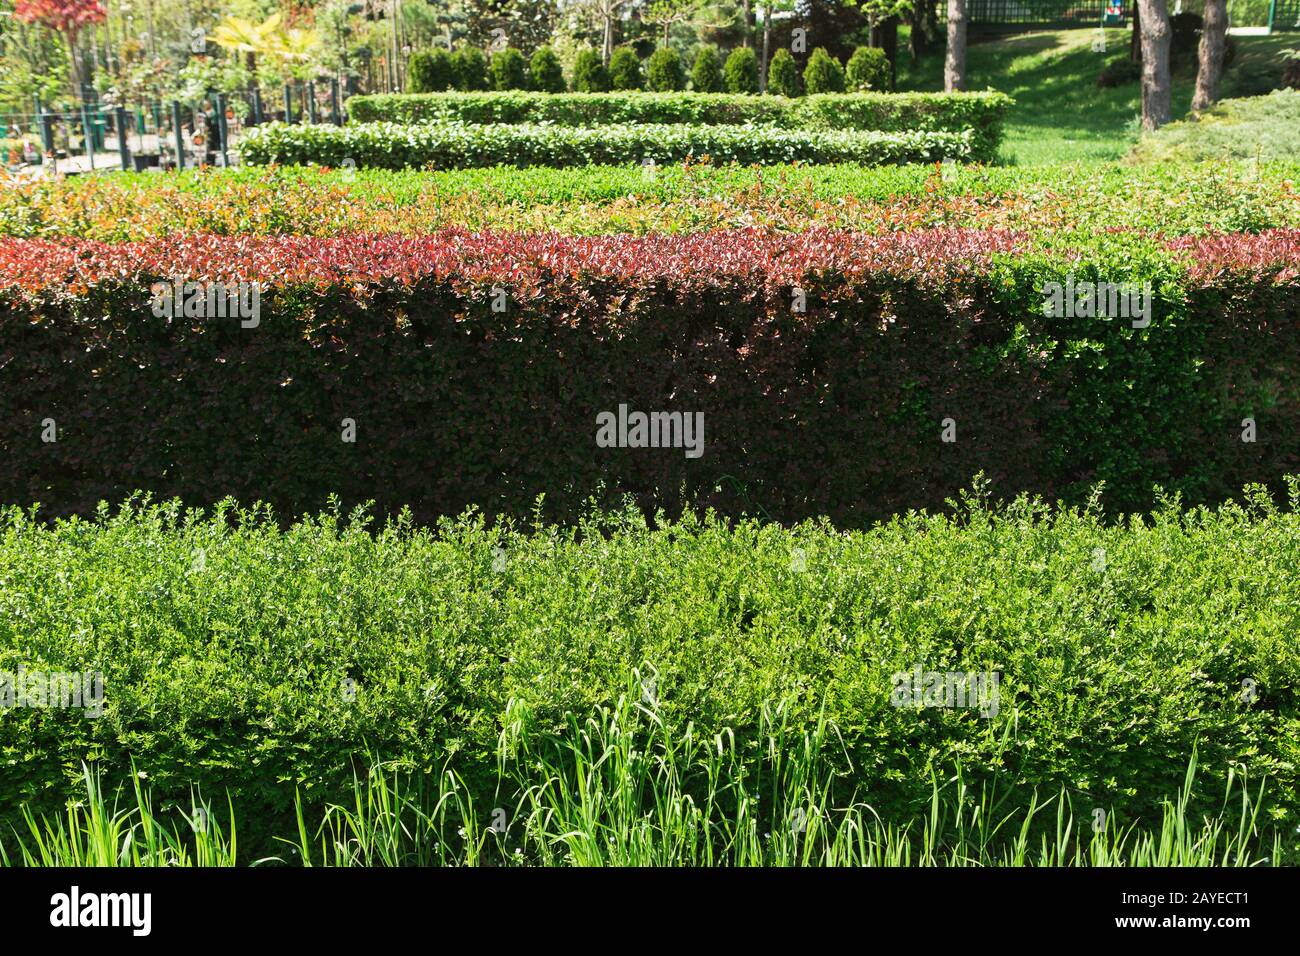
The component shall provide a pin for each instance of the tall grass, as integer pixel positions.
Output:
(620, 789)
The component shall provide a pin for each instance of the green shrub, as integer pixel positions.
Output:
(982, 113)
(706, 74)
(460, 145)
(783, 75)
(289, 656)
(742, 71)
(471, 69)
(868, 69)
(546, 71)
(625, 69)
(664, 71)
(823, 74)
(430, 71)
(509, 70)
(589, 73)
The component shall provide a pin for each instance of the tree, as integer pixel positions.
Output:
(665, 13)
(625, 69)
(608, 11)
(1214, 41)
(741, 71)
(664, 71)
(782, 74)
(589, 73)
(706, 74)
(1154, 15)
(66, 18)
(868, 69)
(509, 70)
(823, 74)
(954, 60)
(471, 69)
(546, 71)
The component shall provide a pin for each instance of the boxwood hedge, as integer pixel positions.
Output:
(463, 145)
(889, 112)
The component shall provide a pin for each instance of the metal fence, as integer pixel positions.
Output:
(1080, 12)
(91, 135)
(1284, 15)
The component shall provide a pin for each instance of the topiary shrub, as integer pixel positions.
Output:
(589, 73)
(430, 71)
(823, 74)
(664, 72)
(470, 68)
(1291, 70)
(741, 71)
(783, 75)
(706, 74)
(509, 70)
(1118, 72)
(625, 70)
(546, 72)
(868, 69)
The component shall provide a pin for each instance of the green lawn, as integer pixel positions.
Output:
(1060, 114)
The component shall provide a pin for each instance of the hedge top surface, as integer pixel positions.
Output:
(524, 259)
(708, 108)
(763, 258)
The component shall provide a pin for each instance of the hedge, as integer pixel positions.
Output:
(838, 410)
(461, 145)
(266, 200)
(888, 112)
(1120, 649)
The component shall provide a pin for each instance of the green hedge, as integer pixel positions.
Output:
(461, 145)
(889, 112)
(226, 646)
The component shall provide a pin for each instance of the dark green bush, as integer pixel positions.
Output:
(546, 71)
(625, 69)
(509, 70)
(783, 75)
(741, 71)
(706, 74)
(664, 71)
(823, 74)
(471, 69)
(430, 71)
(868, 69)
(589, 73)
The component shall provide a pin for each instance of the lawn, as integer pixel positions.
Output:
(1060, 114)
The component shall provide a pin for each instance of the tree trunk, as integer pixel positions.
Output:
(1135, 44)
(916, 37)
(954, 61)
(607, 44)
(1214, 43)
(767, 40)
(1155, 63)
(749, 24)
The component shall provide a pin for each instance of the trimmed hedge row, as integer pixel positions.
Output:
(231, 673)
(474, 368)
(887, 112)
(310, 200)
(461, 145)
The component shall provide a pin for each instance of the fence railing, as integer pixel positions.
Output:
(1284, 16)
(90, 135)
